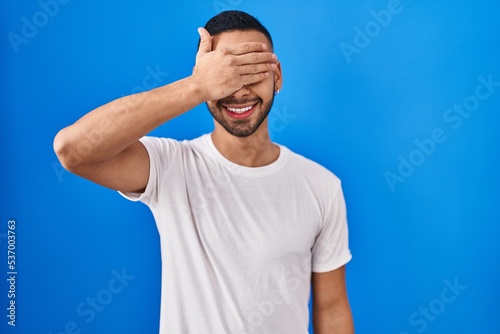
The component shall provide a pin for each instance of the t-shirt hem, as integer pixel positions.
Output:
(134, 197)
(140, 197)
(334, 265)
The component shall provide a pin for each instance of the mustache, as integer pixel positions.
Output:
(232, 100)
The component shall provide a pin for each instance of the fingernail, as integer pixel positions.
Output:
(264, 46)
(275, 57)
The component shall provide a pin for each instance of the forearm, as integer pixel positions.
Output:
(111, 128)
(335, 321)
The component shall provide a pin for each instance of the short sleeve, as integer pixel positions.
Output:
(331, 247)
(161, 152)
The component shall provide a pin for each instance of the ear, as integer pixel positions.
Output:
(278, 77)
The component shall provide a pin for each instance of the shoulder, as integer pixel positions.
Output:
(170, 145)
(312, 171)
(307, 165)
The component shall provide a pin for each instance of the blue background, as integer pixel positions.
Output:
(357, 114)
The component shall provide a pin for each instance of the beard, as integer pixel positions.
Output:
(241, 127)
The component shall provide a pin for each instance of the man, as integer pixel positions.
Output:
(245, 225)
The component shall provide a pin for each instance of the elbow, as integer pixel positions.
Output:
(66, 151)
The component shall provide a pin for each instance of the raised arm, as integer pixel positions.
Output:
(103, 146)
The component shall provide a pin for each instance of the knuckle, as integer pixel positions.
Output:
(228, 61)
(255, 57)
(245, 47)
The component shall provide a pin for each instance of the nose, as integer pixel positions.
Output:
(242, 92)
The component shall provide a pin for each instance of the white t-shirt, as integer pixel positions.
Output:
(238, 244)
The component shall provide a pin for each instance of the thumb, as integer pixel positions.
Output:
(205, 41)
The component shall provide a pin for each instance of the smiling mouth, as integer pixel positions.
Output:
(240, 111)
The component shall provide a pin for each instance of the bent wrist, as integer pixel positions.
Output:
(197, 89)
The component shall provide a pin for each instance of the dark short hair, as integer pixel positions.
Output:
(235, 20)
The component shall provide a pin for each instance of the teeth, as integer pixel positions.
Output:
(240, 110)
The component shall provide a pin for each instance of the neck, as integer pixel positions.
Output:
(256, 150)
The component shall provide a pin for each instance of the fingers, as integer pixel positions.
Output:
(227, 69)
(250, 53)
(249, 79)
(205, 41)
(246, 47)
(256, 68)
(256, 58)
